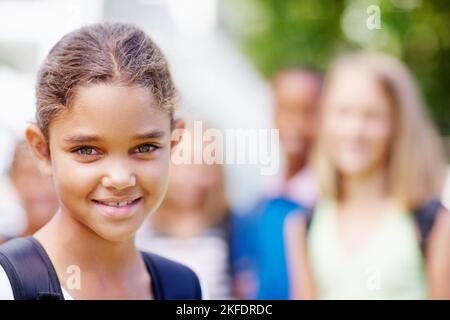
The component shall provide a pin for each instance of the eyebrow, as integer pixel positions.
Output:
(149, 135)
(80, 138)
(77, 138)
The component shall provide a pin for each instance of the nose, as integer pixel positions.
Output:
(119, 177)
(355, 126)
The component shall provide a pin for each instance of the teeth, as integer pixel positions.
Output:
(118, 204)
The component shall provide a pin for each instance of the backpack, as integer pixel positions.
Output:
(424, 218)
(33, 277)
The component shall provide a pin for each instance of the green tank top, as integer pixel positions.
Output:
(389, 266)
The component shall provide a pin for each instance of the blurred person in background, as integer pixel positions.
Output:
(261, 271)
(379, 230)
(297, 93)
(192, 224)
(34, 190)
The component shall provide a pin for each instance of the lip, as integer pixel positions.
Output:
(117, 212)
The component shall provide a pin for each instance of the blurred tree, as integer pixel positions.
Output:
(281, 33)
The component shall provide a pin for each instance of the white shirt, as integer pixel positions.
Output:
(6, 292)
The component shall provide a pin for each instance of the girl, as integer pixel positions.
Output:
(378, 161)
(105, 104)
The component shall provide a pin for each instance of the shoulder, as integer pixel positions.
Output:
(440, 233)
(6, 292)
(301, 219)
(438, 257)
(295, 228)
(442, 223)
(295, 219)
(444, 215)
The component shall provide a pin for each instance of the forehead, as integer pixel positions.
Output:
(296, 90)
(111, 110)
(354, 85)
(352, 77)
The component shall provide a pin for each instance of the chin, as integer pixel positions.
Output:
(294, 150)
(116, 233)
(117, 237)
(352, 168)
(354, 171)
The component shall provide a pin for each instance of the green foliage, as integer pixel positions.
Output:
(281, 33)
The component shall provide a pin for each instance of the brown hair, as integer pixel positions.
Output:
(101, 53)
(415, 167)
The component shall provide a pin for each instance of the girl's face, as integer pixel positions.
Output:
(358, 122)
(204, 183)
(110, 155)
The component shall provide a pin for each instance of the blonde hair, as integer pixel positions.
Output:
(415, 161)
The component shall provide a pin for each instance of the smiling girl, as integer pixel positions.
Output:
(379, 230)
(105, 114)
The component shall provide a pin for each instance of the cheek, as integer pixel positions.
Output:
(286, 120)
(378, 135)
(153, 176)
(333, 131)
(336, 125)
(73, 180)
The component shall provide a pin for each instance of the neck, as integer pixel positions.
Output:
(294, 163)
(28, 231)
(364, 189)
(79, 245)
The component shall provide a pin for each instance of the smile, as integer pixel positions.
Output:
(117, 209)
(116, 204)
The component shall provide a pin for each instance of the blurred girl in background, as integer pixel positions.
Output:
(35, 190)
(379, 230)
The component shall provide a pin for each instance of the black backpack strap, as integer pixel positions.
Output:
(172, 280)
(29, 270)
(425, 217)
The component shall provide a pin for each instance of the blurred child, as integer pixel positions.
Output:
(297, 93)
(105, 114)
(259, 249)
(34, 189)
(379, 230)
(192, 224)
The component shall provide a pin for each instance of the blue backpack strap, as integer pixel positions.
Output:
(172, 280)
(29, 270)
(425, 217)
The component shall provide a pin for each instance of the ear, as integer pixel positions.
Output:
(39, 147)
(177, 133)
